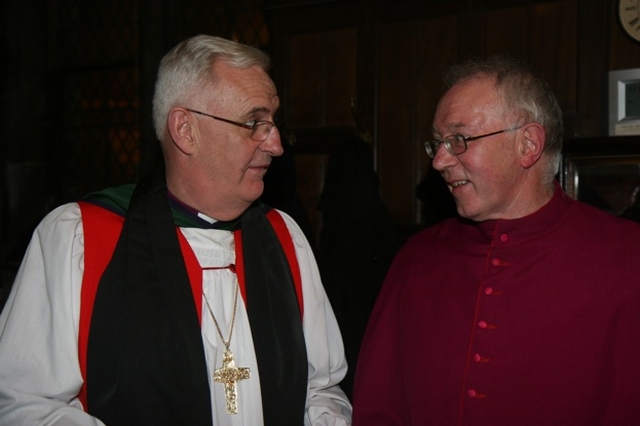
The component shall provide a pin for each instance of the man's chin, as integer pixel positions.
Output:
(468, 212)
(254, 192)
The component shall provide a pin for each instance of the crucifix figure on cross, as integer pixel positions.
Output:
(229, 375)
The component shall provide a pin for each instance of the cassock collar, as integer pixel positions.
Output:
(541, 221)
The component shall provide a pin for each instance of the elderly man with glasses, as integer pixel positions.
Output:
(181, 300)
(525, 310)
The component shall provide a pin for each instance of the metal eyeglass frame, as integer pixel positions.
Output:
(252, 125)
(456, 144)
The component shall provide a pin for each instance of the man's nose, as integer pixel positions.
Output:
(273, 144)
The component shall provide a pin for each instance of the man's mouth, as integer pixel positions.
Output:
(263, 167)
(458, 183)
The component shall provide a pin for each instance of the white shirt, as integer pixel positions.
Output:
(39, 370)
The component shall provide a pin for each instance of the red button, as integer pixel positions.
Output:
(479, 358)
(484, 324)
(488, 291)
(495, 262)
(504, 237)
(473, 394)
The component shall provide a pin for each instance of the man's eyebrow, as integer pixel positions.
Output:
(258, 111)
(450, 128)
(457, 126)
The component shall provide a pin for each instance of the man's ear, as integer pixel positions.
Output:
(532, 144)
(182, 130)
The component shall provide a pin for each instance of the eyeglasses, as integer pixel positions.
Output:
(260, 129)
(457, 144)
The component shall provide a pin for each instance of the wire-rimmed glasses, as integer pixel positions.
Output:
(456, 144)
(260, 129)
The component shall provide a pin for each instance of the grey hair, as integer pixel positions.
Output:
(188, 68)
(524, 92)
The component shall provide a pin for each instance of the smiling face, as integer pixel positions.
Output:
(487, 180)
(221, 167)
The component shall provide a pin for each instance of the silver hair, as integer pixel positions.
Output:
(187, 70)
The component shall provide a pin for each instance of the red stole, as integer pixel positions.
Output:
(101, 232)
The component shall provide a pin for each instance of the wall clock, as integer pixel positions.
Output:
(629, 15)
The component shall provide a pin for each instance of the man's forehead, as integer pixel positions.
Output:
(469, 104)
(251, 87)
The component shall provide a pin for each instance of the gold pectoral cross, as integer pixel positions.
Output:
(229, 375)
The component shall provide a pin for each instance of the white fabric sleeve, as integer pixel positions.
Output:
(39, 369)
(327, 404)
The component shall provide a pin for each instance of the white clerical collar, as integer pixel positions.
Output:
(206, 218)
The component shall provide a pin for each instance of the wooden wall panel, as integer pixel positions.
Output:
(593, 19)
(304, 80)
(396, 121)
(340, 61)
(552, 48)
(625, 53)
(322, 78)
(505, 30)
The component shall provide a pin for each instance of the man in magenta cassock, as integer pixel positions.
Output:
(526, 309)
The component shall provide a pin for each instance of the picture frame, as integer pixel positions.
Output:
(604, 172)
(624, 102)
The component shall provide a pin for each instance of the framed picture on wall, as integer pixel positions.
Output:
(604, 172)
(624, 102)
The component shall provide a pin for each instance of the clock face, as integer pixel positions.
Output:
(629, 14)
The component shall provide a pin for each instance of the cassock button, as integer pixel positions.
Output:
(496, 262)
(483, 324)
(488, 291)
(504, 238)
(474, 394)
(480, 358)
